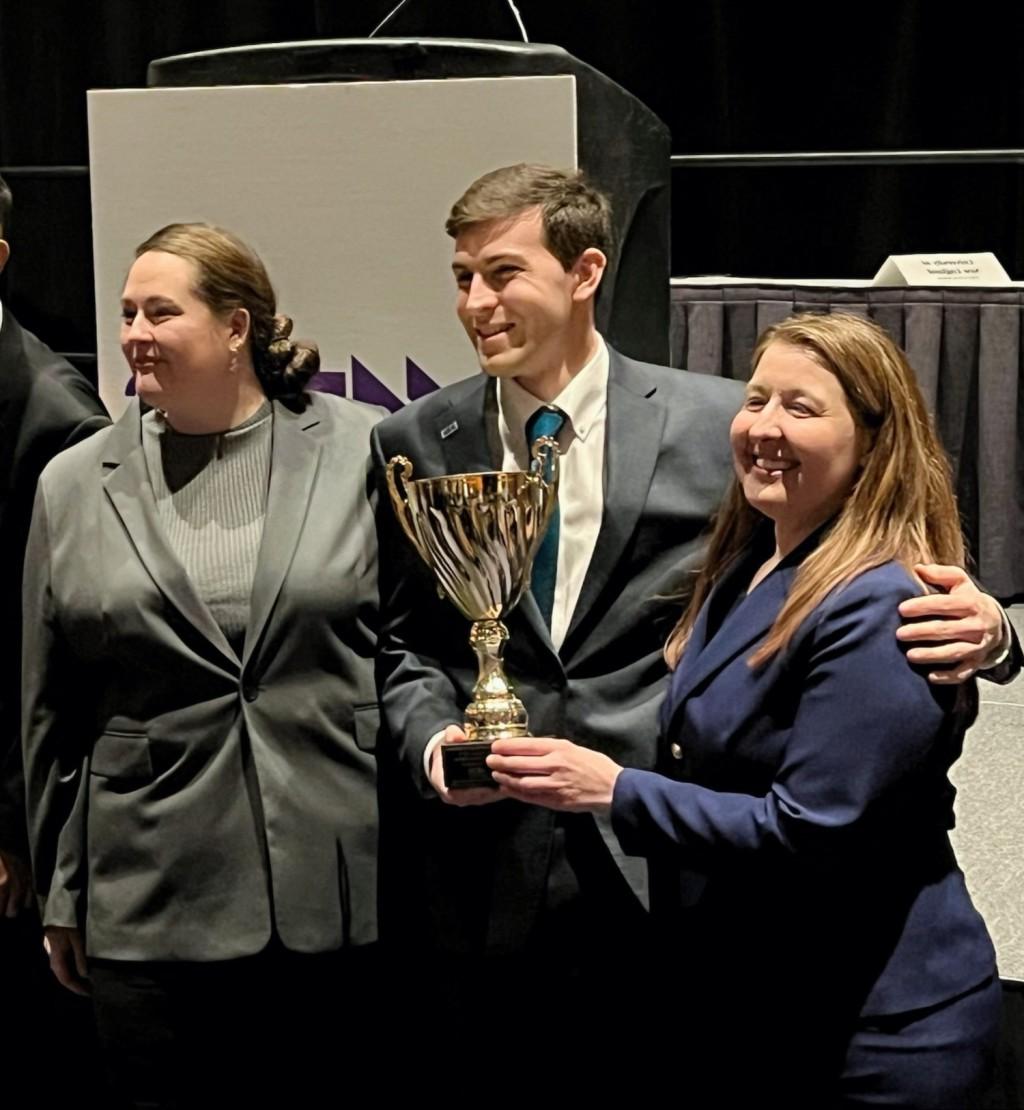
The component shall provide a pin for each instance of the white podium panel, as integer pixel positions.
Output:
(343, 190)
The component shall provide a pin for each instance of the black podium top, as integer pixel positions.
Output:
(387, 59)
(622, 145)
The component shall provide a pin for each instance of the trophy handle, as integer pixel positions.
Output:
(400, 502)
(544, 468)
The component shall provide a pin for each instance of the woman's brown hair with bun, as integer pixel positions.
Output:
(230, 275)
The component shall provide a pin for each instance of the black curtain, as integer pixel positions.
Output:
(725, 76)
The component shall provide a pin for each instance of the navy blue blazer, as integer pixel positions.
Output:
(799, 824)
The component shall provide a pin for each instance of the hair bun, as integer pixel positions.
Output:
(291, 362)
(282, 328)
(280, 349)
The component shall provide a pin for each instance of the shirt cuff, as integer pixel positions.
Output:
(1004, 647)
(428, 751)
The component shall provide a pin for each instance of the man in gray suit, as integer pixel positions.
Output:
(502, 891)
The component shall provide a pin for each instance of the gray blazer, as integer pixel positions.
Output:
(481, 873)
(183, 804)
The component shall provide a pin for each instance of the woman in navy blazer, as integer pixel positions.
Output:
(827, 948)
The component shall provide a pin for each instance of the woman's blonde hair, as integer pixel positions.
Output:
(901, 507)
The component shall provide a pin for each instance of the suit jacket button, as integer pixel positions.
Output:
(676, 750)
(250, 692)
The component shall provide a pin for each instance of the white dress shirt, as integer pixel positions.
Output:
(581, 471)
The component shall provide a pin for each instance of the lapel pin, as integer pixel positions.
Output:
(449, 429)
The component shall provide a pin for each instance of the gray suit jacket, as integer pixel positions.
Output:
(482, 872)
(184, 803)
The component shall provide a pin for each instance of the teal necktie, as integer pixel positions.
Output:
(546, 421)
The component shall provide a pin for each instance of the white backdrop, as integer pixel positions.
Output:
(342, 189)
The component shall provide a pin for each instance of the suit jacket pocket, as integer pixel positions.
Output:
(122, 754)
(366, 726)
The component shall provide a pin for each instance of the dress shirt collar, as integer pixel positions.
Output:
(583, 400)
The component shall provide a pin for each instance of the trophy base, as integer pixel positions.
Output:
(465, 765)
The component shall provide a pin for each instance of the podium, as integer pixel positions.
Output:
(339, 160)
(622, 145)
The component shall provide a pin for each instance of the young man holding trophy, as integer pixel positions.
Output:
(504, 905)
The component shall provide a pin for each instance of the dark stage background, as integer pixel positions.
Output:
(726, 77)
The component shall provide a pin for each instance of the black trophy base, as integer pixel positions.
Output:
(465, 765)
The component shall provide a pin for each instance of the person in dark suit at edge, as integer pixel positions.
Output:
(500, 900)
(45, 406)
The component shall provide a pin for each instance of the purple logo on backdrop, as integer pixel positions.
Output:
(366, 386)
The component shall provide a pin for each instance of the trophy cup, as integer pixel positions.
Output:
(479, 534)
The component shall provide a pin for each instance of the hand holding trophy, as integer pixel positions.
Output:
(479, 534)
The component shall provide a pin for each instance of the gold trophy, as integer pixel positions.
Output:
(479, 534)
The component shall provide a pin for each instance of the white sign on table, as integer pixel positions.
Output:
(942, 269)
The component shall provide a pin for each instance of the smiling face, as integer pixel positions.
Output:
(180, 352)
(796, 446)
(527, 317)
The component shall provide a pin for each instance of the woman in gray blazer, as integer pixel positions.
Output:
(199, 705)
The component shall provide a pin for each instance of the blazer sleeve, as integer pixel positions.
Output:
(867, 725)
(67, 419)
(55, 756)
(418, 697)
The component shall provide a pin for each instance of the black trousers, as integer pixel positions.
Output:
(265, 1030)
(569, 1015)
(48, 1046)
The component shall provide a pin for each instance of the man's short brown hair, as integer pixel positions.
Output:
(575, 215)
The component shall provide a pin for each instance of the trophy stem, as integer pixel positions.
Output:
(495, 711)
